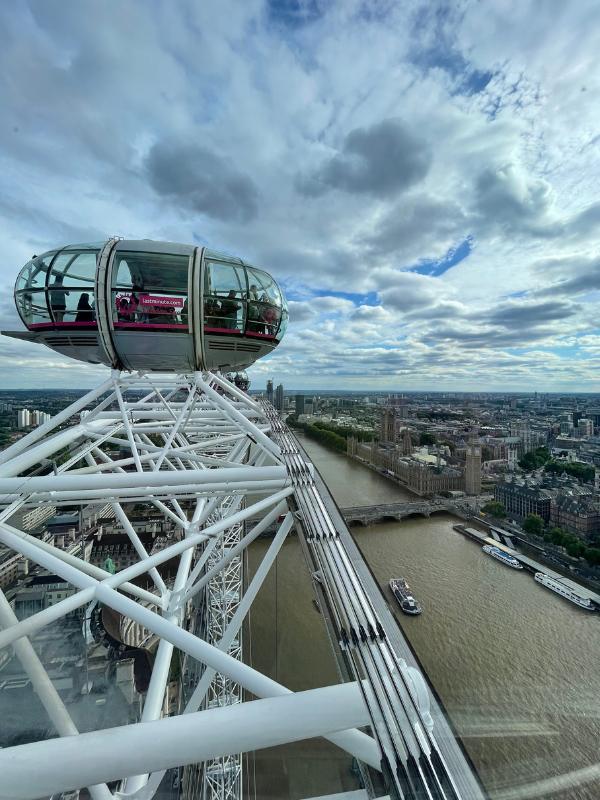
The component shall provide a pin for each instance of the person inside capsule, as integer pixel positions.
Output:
(50, 288)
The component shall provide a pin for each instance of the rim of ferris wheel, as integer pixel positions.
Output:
(198, 529)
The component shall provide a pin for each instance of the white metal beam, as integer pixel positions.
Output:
(234, 626)
(107, 755)
(211, 450)
(252, 476)
(236, 416)
(44, 688)
(42, 430)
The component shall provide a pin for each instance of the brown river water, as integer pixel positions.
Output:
(516, 667)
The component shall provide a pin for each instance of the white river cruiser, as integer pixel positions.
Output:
(563, 590)
(505, 558)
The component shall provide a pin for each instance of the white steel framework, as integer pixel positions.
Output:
(195, 451)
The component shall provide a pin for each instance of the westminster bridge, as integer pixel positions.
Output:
(394, 512)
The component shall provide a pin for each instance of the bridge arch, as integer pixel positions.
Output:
(357, 521)
(439, 510)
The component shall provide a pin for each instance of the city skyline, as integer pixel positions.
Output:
(420, 179)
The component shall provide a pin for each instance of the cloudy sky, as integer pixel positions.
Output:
(421, 177)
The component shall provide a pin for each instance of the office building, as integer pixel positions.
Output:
(521, 499)
(577, 515)
(585, 427)
(279, 398)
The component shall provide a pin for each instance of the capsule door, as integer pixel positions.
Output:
(149, 308)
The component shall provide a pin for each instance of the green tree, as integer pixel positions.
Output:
(318, 430)
(556, 536)
(533, 524)
(593, 555)
(535, 459)
(427, 438)
(495, 509)
(576, 548)
(583, 472)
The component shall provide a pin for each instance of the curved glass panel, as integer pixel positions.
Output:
(283, 324)
(261, 286)
(263, 318)
(33, 274)
(32, 307)
(75, 269)
(150, 290)
(214, 255)
(224, 296)
(264, 303)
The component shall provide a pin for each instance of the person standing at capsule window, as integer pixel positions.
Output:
(85, 312)
(271, 317)
(58, 298)
(123, 314)
(229, 309)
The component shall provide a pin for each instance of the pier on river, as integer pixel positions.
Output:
(495, 537)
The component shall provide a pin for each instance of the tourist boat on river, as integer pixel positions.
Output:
(501, 555)
(403, 594)
(564, 591)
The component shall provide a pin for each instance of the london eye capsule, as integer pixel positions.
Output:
(150, 306)
(240, 379)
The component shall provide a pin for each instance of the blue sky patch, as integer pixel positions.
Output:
(443, 54)
(435, 268)
(358, 298)
(475, 81)
(293, 13)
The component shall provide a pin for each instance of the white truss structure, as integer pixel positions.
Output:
(196, 450)
(223, 776)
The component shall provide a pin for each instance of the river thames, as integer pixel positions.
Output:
(516, 667)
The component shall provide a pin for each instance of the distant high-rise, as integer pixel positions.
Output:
(279, 398)
(23, 418)
(299, 404)
(473, 465)
(585, 427)
(270, 391)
